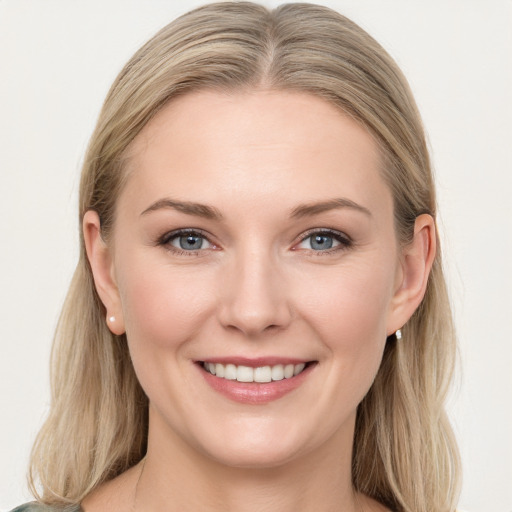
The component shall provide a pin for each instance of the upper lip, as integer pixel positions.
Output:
(255, 362)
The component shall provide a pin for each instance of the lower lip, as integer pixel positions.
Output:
(255, 392)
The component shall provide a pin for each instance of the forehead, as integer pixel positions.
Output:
(253, 146)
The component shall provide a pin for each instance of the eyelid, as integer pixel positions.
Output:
(344, 240)
(165, 241)
(325, 231)
(182, 231)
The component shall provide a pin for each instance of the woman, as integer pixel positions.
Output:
(259, 319)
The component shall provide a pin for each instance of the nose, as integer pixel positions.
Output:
(254, 297)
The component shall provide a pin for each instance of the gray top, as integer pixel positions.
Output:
(39, 507)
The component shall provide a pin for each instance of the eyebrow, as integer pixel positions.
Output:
(308, 210)
(210, 212)
(188, 207)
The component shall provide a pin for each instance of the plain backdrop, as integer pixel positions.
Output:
(57, 60)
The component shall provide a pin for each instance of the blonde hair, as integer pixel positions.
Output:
(404, 455)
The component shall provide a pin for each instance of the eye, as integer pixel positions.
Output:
(323, 241)
(189, 242)
(186, 240)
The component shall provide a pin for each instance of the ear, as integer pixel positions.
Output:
(416, 263)
(101, 261)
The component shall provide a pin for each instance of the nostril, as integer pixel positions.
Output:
(253, 303)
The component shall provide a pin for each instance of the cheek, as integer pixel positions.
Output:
(163, 306)
(351, 299)
(164, 310)
(348, 309)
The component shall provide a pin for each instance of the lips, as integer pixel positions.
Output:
(255, 381)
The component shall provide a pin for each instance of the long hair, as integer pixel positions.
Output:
(404, 452)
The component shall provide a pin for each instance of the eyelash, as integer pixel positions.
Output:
(167, 238)
(345, 242)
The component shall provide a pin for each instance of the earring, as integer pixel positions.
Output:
(398, 334)
(111, 319)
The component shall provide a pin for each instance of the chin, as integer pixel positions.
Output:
(258, 443)
(254, 456)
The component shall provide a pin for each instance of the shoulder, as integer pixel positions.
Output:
(39, 507)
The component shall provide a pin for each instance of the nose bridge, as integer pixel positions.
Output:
(254, 295)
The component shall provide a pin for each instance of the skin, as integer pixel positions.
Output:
(257, 287)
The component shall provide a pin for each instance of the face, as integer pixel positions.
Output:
(254, 239)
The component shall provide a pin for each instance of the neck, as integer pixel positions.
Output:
(177, 476)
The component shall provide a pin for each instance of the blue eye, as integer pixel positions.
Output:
(321, 242)
(324, 241)
(189, 242)
(186, 241)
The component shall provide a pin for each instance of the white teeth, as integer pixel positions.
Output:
(263, 374)
(230, 372)
(288, 371)
(219, 370)
(278, 372)
(298, 368)
(248, 374)
(244, 374)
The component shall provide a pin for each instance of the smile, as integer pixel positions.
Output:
(255, 381)
(260, 374)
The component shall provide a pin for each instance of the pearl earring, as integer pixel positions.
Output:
(398, 334)
(111, 319)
